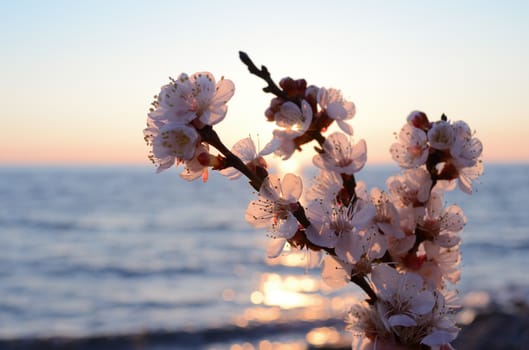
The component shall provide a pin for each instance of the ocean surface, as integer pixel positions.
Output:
(88, 252)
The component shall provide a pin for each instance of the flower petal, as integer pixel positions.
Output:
(275, 247)
(401, 320)
(423, 303)
(287, 228)
(292, 187)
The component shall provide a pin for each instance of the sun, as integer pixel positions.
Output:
(294, 165)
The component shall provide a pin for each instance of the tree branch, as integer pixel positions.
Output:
(264, 74)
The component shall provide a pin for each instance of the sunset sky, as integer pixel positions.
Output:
(77, 77)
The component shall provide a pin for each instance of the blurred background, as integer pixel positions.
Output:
(94, 246)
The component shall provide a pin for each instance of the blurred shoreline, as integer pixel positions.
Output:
(494, 327)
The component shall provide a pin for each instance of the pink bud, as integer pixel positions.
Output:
(419, 120)
(203, 158)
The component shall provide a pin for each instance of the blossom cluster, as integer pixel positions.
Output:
(400, 245)
(184, 105)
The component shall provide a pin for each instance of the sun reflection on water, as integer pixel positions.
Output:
(287, 292)
(299, 296)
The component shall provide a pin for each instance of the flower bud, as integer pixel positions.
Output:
(419, 120)
(208, 160)
(293, 88)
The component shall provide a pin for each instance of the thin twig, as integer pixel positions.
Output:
(264, 74)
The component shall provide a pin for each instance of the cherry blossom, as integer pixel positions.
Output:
(400, 246)
(441, 225)
(198, 96)
(361, 248)
(411, 188)
(412, 149)
(171, 142)
(332, 102)
(441, 135)
(296, 122)
(291, 117)
(325, 186)
(245, 150)
(466, 152)
(334, 222)
(194, 168)
(387, 216)
(441, 264)
(273, 209)
(339, 155)
(335, 273)
(402, 297)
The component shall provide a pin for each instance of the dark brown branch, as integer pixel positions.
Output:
(360, 281)
(264, 74)
(211, 137)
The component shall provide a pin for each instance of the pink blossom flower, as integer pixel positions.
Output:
(296, 122)
(245, 150)
(193, 168)
(332, 102)
(441, 264)
(387, 216)
(339, 155)
(402, 297)
(466, 152)
(441, 135)
(405, 315)
(335, 273)
(291, 117)
(196, 97)
(441, 225)
(412, 149)
(171, 142)
(412, 188)
(273, 209)
(361, 248)
(333, 222)
(325, 186)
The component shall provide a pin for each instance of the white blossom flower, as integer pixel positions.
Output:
(296, 122)
(466, 149)
(441, 225)
(441, 264)
(387, 217)
(171, 142)
(440, 323)
(466, 152)
(291, 117)
(325, 186)
(412, 149)
(410, 188)
(468, 175)
(336, 107)
(361, 248)
(193, 168)
(339, 155)
(402, 297)
(245, 150)
(273, 209)
(441, 135)
(335, 273)
(196, 97)
(405, 314)
(333, 222)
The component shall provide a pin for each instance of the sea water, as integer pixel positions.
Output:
(88, 251)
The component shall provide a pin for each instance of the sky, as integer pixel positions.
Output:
(78, 77)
